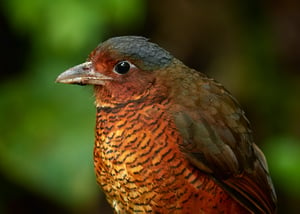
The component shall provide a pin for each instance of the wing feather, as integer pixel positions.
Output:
(217, 139)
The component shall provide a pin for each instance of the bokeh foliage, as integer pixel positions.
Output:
(47, 133)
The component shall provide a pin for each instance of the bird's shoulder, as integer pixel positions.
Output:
(217, 139)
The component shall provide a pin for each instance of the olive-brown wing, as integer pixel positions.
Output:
(217, 140)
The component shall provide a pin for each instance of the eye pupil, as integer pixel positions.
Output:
(122, 67)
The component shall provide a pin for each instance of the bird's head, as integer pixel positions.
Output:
(121, 69)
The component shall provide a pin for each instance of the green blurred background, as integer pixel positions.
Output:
(46, 133)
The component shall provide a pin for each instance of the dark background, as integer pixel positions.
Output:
(46, 131)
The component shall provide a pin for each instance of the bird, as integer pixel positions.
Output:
(168, 138)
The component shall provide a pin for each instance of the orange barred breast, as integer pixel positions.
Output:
(141, 169)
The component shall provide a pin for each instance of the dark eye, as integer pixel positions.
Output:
(122, 67)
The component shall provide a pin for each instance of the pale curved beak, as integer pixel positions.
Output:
(82, 74)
